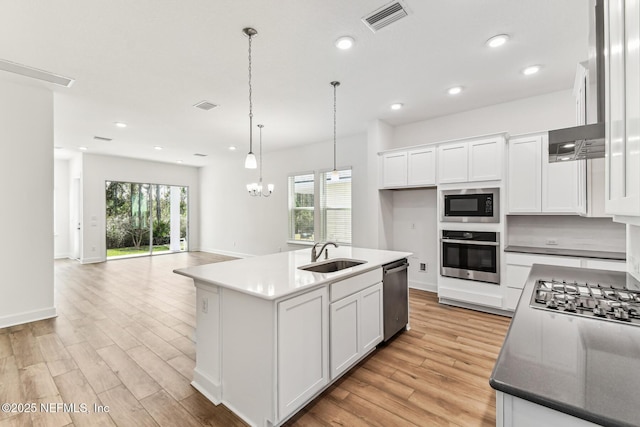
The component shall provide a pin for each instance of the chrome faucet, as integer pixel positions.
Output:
(315, 256)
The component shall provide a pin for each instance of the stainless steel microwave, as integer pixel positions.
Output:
(470, 205)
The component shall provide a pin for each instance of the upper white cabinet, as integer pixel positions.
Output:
(394, 169)
(421, 166)
(453, 163)
(413, 168)
(470, 161)
(622, 107)
(536, 186)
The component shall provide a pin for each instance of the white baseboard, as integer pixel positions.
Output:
(28, 316)
(475, 307)
(227, 253)
(61, 256)
(209, 388)
(430, 287)
(92, 260)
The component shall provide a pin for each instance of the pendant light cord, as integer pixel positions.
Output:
(335, 85)
(250, 102)
(260, 126)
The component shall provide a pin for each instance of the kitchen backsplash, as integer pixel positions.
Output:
(566, 232)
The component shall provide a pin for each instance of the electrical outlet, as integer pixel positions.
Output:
(423, 266)
(93, 248)
(205, 305)
(552, 242)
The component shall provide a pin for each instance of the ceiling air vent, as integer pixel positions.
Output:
(102, 138)
(206, 105)
(385, 16)
(200, 155)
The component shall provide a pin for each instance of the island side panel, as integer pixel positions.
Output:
(207, 373)
(248, 362)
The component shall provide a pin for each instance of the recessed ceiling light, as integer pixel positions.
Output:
(396, 106)
(157, 147)
(57, 147)
(120, 124)
(498, 40)
(232, 148)
(179, 161)
(531, 70)
(83, 148)
(345, 42)
(454, 90)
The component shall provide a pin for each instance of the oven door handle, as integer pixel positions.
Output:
(470, 242)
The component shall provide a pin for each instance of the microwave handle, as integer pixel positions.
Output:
(470, 242)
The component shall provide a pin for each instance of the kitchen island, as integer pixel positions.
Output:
(560, 369)
(271, 336)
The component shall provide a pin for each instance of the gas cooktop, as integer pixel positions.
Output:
(596, 300)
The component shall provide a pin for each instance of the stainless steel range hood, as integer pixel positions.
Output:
(586, 141)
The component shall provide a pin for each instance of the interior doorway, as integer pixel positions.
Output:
(145, 219)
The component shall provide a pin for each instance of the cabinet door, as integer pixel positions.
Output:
(303, 356)
(485, 159)
(345, 336)
(371, 327)
(559, 183)
(422, 166)
(394, 169)
(622, 109)
(524, 184)
(453, 163)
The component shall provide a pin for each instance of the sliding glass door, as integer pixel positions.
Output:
(145, 219)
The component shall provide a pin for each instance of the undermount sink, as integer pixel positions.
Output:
(332, 266)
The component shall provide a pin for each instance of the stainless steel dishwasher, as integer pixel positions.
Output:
(395, 297)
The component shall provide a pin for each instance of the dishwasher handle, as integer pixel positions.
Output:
(397, 269)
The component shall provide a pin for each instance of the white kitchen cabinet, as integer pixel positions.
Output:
(622, 108)
(421, 166)
(524, 179)
(356, 327)
(453, 164)
(485, 159)
(471, 161)
(303, 349)
(394, 169)
(512, 411)
(411, 168)
(537, 186)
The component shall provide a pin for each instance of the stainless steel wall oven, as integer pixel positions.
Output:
(471, 255)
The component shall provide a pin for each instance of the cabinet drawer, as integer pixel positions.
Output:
(355, 284)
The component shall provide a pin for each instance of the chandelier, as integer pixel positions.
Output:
(255, 188)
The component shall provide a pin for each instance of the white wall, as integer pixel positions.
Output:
(415, 230)
(26, 254)
(237, 224)
(61, 218)
(538, 113)
(633, 251)
(96, 170)
(570, 232)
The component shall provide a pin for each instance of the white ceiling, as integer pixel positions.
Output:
(146, 62)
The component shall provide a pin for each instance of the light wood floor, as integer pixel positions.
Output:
(123, 338)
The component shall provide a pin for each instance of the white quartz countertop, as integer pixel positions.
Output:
(277, 275)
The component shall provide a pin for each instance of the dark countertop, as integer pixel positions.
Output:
(581, 253)
(584, 367)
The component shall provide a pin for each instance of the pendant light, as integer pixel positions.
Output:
(255, 189)
(250, 161)
(335, 175)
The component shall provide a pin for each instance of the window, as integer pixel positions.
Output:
(301, 207)
(320, 208)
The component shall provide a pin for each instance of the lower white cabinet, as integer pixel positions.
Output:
(356, 327)
(303, 349)
(512, 411)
